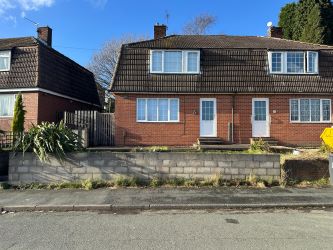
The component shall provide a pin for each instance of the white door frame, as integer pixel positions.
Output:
(268, 118)
(214, 134)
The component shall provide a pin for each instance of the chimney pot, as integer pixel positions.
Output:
(45, 34)
(159, 30)
(276, 32)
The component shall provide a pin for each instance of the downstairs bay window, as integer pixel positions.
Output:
(310, 110)
(157, 110)
(7, 102)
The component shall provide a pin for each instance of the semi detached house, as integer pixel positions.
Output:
(50, 82)
(175, 89)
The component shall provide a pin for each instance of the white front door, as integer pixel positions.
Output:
(208, 117)
(260, 117)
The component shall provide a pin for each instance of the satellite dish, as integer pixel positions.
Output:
(269, 24)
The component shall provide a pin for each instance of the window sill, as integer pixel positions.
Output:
(157, 121)
(328, 122)
(6, 117)
(294, 74)
(175, 73)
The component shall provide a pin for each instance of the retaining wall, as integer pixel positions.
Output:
(107, 165)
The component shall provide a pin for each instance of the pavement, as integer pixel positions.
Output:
(170, 229)
(125, 199)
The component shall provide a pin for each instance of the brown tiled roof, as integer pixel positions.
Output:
(225, 42)
(229, 64)
(33, 64)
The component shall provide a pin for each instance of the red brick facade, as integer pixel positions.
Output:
(44, 107)
(187, 130)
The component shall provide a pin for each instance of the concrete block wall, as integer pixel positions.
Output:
(107, 165)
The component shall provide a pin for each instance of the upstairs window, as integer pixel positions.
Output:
(5, 60)
(310, 110)
(293, 62)
(175, 62)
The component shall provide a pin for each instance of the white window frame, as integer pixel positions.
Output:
(299, 110)
(184, 62)
(284, 63)
(9, 116)
(146, 110)
(9, 55)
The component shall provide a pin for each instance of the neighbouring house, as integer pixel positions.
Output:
(50, 82)
(175, 89)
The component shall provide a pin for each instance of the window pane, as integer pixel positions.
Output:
(305, 110)
(172, 61)
(207, 111)
(312, 62)
(294, 110)
(4, 60)
(141, 110)
(174, 109)
(163, 109)
(7, 105)
(157, 61)
(315, 110)
(326, 106)
(260, 110)
(152, 109)
(192, 61)
(295, 62)
(276, 62)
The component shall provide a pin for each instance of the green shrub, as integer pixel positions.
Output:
(19, 114)
(49, 139)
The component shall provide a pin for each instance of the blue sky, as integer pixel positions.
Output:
(87, 24)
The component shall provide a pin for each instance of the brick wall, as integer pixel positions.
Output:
(30, 101)
(107, 165)
(186, 132)
(44, 107)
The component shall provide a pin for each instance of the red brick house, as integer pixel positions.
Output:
(49, 81)
(175, 89)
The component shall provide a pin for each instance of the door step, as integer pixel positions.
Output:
(269, 140)
(210, 141)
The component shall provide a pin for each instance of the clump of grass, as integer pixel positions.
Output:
(325, 149)
(123, 181)
(251, 179)
(151, 149)
(174, 182)
(155, 182)
(4, 186)
(259, 146)
(323, 182)
(192, 182)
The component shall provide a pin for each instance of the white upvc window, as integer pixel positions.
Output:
(310, 110)
(293, 62)
(175, 61)
(5, 57)
(7, 102)
(157, 110)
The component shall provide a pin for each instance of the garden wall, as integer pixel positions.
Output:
(143, 165)
(296, 169)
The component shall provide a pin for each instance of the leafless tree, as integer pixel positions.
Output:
(199, 25)
(104, 62)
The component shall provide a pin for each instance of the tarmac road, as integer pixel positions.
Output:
(218, 229)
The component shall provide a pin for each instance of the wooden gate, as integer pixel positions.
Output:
(100, 126)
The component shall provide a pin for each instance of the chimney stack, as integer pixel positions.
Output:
(276, 32)
(159, 30)
(45, 35)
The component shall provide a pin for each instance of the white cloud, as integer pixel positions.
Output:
(98, 3)
(23, 5)
(34, 4)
